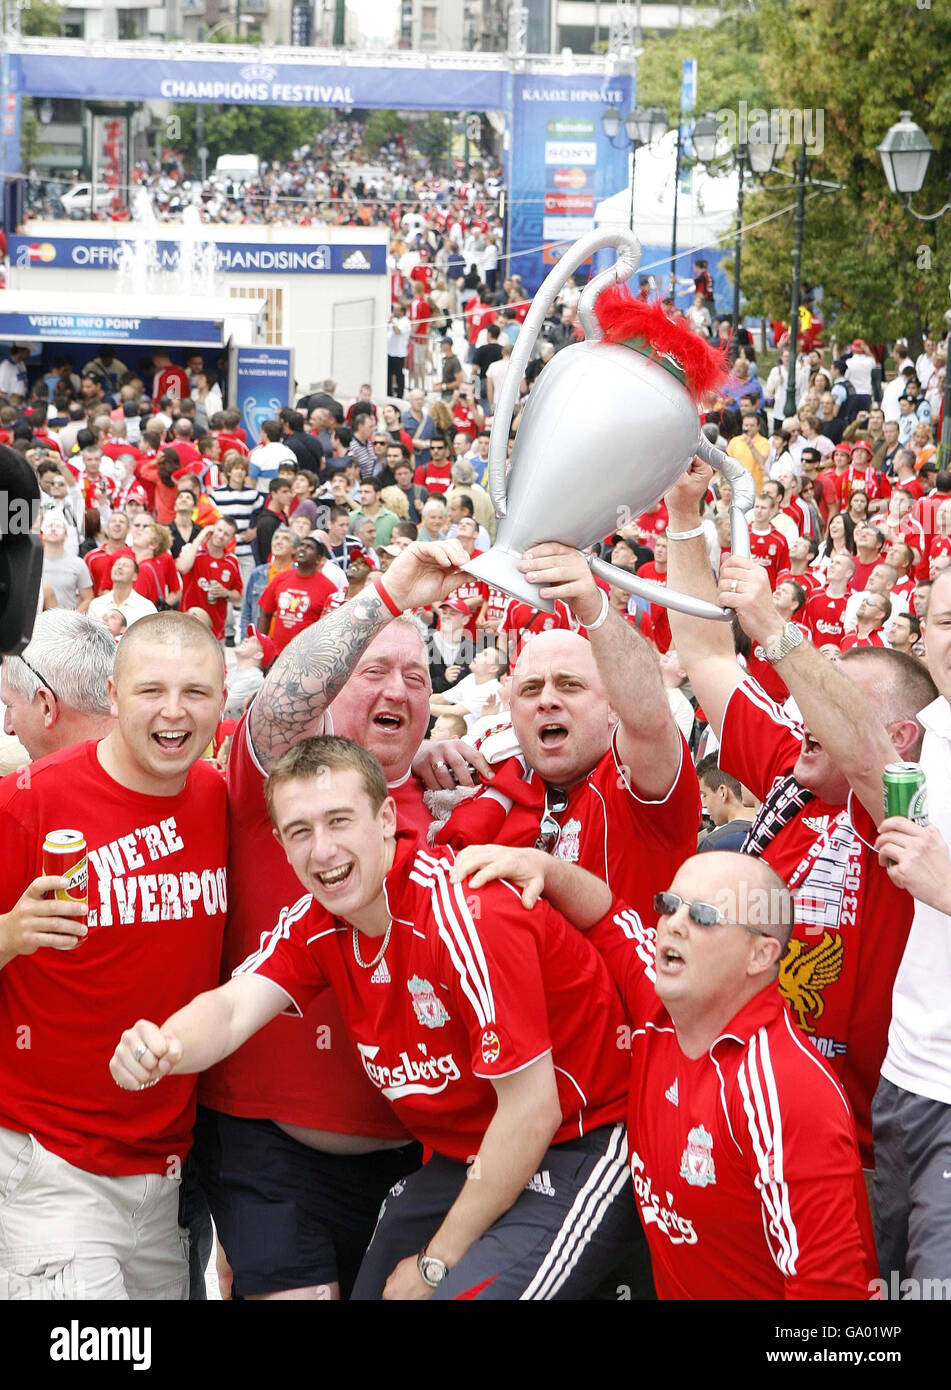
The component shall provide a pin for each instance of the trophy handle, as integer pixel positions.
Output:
(629, 258)
(744, 495)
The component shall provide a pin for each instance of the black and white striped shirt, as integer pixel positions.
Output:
(242, 506)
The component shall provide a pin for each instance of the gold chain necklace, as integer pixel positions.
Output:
(369, 964)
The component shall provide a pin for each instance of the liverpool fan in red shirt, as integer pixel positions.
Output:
(821, 803)
(292, 1124)
(436, 476)
(656, 570)
(211, 577)
(768, 546)
(521, 623)
(90, 1175)
(743, 1149)
(604, 778)
(490, 1029)
(99, 561)
(824, 614)
(297, 598)
(168, 380)
(873, 613)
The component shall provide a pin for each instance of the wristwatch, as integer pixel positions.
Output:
(432, 1271)
(781, 646)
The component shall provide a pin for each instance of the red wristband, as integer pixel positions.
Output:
(385, 595)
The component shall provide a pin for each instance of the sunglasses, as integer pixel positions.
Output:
(42, 679)
(549, 830)
(701, 914)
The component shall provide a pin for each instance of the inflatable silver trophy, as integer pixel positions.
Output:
(607, 428)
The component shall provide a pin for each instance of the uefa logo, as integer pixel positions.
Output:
(258, 72)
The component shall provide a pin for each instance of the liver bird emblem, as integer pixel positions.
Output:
(804, 974)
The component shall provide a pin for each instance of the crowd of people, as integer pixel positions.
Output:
(697, 977)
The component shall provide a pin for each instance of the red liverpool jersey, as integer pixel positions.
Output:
(744, 1159)
(823, 616)
(466, 997)
(770, 550)
(298, 1074)
(851, 920)
(195, 584)
(157, 901)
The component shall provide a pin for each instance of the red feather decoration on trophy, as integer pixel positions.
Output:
(621, 316)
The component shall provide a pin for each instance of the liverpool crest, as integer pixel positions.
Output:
(426, 1004)
(696, 1165)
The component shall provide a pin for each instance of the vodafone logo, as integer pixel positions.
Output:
(569, 178)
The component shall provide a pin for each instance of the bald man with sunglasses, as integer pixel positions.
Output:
(742, 1144)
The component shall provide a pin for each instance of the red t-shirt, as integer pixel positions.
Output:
(472, 588)
(636, 846)
(476, 988)
(659, 616)
(171, 381)
(744, 1160)
(157, 578)
(425, 274)
(419, 314)
(90, 490)
(480, 316)
(195, 587)
(99, 564)
(521, 622)
(434, 477)
(823, 616)
(770, 550)
(851, 920)
(297, 1075)
(115, 448)
(497, 603)
(157, 898)
(852, 639)
(294, 601)
(809, 581)
(655, 520)
(228, 441)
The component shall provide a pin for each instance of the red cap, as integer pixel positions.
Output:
(858, 345)
(137, 493)
(458, 604)
(863, 444)
(842, 447)
(268, 649)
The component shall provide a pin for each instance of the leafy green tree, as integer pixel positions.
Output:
(858, 63)
(271, 132)
(730, 63)
(41, 19)
(380, 127)
(431, 137)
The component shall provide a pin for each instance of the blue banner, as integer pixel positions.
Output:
(261, 83)
(562, 165)
(109, 328)
(264, 384)
(258, 258)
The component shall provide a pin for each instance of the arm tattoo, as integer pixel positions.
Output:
(310, 673)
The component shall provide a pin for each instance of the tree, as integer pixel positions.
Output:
(271, 132)
(380, 127)
(41, 19)
(431, 136)
(730, 66)
(879, 268)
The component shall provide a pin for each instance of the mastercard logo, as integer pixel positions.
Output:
(41, 251)
(570, 178)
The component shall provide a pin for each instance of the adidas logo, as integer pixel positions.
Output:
(818, 823)
(356, 261)
(672, 1094)
(541, 1183)
(380, 976)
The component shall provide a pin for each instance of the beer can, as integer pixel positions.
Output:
(64, 854)
(904, 792)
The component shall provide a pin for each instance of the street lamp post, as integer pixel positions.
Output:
(642, 126)
(905, 153)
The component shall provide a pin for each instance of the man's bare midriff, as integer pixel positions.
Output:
(328, 1141)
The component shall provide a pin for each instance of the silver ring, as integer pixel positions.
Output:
(734, 585)
(440, 762)
(139, 1052)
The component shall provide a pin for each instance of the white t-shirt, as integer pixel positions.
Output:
(471, 696)
(859, 372)
(919, 1039)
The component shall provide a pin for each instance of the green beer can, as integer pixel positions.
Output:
(904, 792)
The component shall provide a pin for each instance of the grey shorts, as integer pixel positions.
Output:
(912, 1136)
(569, 1228)
(69, 1234)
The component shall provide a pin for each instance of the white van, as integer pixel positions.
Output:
(238, 168)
